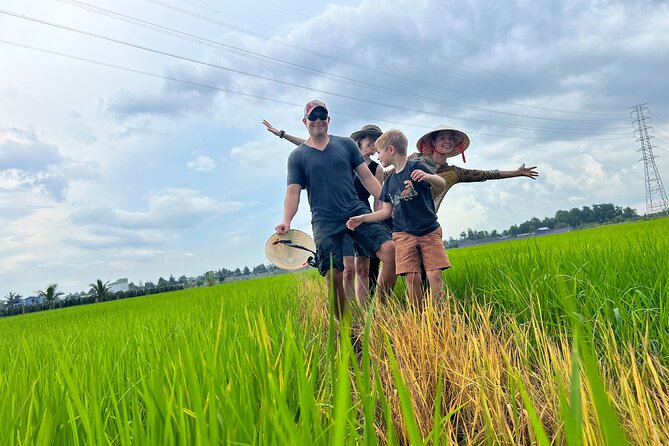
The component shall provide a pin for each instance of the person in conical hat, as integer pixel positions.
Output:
(361, 268)
(443, 142)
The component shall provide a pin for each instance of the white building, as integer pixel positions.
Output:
(32, 300)
(119, 285)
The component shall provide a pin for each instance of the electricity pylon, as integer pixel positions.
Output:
(656, 196)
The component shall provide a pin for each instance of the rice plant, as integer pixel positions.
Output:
(554, 340)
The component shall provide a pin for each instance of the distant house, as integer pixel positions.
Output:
(119, 285)
(32, 300)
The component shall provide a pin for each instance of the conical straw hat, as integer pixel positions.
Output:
(284, 250)
(424, 144)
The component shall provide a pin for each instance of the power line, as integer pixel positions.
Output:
(656, 124)
(385, 59)
(411, 50)
(618, 117)
(204, 41)
(264, 98)
(292, 84)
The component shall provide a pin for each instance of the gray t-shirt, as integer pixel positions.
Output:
(327, 175)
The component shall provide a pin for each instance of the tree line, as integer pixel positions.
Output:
(596, 214)
(100, 291)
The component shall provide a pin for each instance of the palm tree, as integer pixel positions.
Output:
(12, 299)
(50, 296)
(100, 290)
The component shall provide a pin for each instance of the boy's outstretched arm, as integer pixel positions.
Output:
(384, 213)
(281, 134)
(522, 171)
(432, 178)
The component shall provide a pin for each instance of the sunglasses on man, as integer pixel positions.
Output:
(317, 114)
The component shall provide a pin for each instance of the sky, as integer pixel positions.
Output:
(131, 136)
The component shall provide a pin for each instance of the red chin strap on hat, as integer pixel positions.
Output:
(461, 146)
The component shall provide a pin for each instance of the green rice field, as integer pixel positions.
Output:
(552, 340)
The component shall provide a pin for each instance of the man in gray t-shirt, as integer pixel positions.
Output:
(324, 166)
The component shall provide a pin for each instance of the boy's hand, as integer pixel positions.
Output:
(354, 222)
(418, 175)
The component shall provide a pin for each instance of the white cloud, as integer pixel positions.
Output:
(92, 178)
(267, 154)
(202, 164)
(170, 208)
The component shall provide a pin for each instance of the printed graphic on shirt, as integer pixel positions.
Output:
(407, 194)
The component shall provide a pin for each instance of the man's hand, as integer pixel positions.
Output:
(271, 129)
(529, 172)
(282, 228)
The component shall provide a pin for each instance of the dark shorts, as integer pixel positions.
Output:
(329, 238)
(353, 249)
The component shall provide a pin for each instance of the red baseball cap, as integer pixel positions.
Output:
(311, 105)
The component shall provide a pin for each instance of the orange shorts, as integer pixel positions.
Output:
(410, 249)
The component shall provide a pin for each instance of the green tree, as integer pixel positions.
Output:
(588, 215)
(210, 278)
(100, 290)
(562, 218)
(12, 299)
(514, 231)
(548, 222)
(50, 295)
(605, 212)
(628, 212)
(574, 218)
(246, 271)
(534, 223)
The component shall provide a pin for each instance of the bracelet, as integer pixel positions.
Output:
(281, 133)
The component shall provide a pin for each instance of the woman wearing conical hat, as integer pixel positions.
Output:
(444, 142)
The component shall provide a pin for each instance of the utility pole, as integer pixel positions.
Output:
(656, 195)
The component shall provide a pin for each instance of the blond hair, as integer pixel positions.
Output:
(395, 138)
